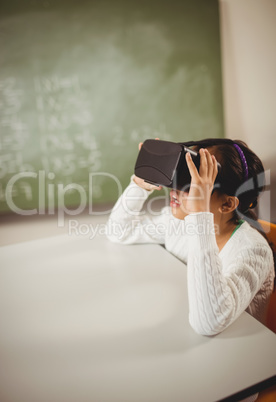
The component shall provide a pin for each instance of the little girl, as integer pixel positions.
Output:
(230, 265)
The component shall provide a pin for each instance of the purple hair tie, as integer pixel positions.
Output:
(243, 160)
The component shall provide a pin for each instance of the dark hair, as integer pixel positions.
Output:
(231, 180)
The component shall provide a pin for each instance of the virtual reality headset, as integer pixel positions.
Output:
(163, 163)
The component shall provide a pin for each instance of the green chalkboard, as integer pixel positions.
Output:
(83, 82)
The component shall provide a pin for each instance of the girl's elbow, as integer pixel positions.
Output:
(117, 237)
(113, 238)
(205, 329)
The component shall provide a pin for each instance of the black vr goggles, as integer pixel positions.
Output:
(163, 163)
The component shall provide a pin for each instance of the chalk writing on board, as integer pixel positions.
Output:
(65, 126)
(139, 133)
(14, 131)
(66, 144)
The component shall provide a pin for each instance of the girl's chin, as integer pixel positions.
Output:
(177, 211)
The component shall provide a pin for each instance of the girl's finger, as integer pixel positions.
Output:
(203, 167)
(191, 166)
(140, 145)
(215, 172)
(210, 163)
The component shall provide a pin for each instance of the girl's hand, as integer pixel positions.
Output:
(202, 182)
(147, 186)
(141, 183)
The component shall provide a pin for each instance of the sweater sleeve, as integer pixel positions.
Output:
(218, 295)
(129, 223)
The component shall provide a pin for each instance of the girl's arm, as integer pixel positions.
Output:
(129, 224)
(218, 295)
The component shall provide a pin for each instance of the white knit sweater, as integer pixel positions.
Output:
(221, 285)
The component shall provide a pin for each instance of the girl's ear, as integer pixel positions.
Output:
(229, 204)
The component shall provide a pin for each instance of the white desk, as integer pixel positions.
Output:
(90, 321)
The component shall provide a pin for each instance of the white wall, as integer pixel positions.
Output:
(248, 44)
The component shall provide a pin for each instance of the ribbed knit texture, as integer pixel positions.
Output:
(221, 285)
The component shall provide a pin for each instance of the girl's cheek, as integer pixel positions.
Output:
(183, 197)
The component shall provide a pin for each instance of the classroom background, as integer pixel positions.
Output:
(83, 82)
